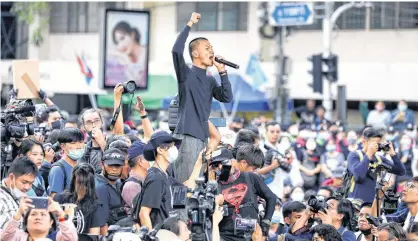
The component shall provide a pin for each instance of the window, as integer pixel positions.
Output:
(14, 34)
(219, 16)
(383, 15)
(78, 17)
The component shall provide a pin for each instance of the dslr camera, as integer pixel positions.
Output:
(374, 220)
(385, 146)
(317, 204)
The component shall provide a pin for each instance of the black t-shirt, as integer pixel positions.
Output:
(86, 218)
(242, 193)
(157, 195)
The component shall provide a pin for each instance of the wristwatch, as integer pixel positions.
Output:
(144, 116)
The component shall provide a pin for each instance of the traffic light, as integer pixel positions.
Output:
(332, 72)
(316, 72)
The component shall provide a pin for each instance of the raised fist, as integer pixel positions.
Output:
(195, 18)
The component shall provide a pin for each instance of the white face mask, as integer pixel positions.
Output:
(297, 196)
(15, 191)
(173, 154)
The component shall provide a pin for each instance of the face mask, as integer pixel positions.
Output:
(352, 141)
(334, 133)
(236, 129)
(297, 196)
(331, 148)
(379, 108)
(311, 145)
(57, 125)
(366, 232)
(402, 107)
(390, 137)
(224, 173)
(276, 217)
(173, 154)
(76, 154)
(110, 177)
(15, 191)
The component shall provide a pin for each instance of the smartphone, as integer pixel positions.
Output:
(218, 121)
(40, 202)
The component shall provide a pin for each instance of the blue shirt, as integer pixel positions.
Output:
(56, 178)
(346, 234)
(365, 185)
(108, 195)
(39, 186)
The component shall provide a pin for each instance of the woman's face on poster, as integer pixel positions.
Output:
(124, 42)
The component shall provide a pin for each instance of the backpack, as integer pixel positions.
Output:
(349, 183)
(60, 163)
(131, 179)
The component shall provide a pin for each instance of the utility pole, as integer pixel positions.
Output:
(328, 22)
(281, 97)
(326, 34)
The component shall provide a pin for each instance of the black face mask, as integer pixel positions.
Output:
(57, 125)
(366, 232)
(236, 129)
(334, 133)
(110, 177)
(223, 174)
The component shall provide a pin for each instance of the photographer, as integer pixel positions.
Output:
(365, 233)
(240, 191)
(410, 197)
(336, 212)
(22, 174)
(362, 166)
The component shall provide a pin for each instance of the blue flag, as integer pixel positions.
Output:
(255, 72)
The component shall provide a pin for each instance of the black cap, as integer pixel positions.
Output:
(158, 138)
(238, 119)
(221, 155)
(114, 156)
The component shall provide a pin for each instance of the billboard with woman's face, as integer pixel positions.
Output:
(126, 47)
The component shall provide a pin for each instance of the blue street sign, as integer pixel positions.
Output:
(289, 14)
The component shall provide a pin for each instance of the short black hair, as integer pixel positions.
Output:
(172, 224)
(53, 136)
(42, 115)
(272, 123)
(346, 208)
(327, 232)
(68, 135)
(394, 229)
(245, 136)
(27, 145)
(193, 44)
(23, 166)
(120, 145)
(252, 154)
(372, 133)
(368, 205)
(292, 206)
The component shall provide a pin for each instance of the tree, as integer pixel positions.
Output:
(27, 12)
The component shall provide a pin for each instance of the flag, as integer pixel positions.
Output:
(84, 68)
(255, 72)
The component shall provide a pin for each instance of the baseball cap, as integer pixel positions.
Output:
(221, 155)
(158, 138)
(114, 156)
(136, 150)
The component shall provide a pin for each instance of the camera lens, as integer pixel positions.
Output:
(129, 86)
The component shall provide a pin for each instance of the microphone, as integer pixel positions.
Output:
(232, 65)
(20, 110)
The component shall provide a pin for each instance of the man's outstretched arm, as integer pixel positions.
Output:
(180, 65)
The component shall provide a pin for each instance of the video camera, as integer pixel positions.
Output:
(390, 202)
(200, 207)
(143, 233)
(317, 204)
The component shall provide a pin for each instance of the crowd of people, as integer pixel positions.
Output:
(251, 180)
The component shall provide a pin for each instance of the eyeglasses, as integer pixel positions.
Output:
(410, 185)
(95, 122)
